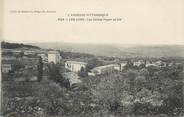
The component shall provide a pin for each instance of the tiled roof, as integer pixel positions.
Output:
(53, 52)
(76, 62)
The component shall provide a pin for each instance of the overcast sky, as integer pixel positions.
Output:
(144, 21)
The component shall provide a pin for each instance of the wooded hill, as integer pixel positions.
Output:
(7, 45)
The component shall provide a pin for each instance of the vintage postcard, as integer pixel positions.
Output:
(92, 58)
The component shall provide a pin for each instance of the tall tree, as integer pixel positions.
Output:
(40, 69)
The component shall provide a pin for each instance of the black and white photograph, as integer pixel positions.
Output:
(92, 58)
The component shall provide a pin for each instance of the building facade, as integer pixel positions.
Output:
(44, 57)
(8, 58)
(29, 52)
(75, 66)
(122, 65)
(138, 63)
(54, 56)
(6, 68)
(104, 69)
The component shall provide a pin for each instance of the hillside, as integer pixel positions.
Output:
(99, 50)
(7, 45)
(118, 50)
(154, 51)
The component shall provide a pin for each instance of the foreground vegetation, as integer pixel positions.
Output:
(151, 91)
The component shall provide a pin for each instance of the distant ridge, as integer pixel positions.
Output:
(123, 51)
(7, 45)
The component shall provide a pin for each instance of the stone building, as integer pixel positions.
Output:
(6, 68)
(54, 56)
(75, 66)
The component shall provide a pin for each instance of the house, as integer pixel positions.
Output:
(122, 65)
(103, 69)
(149, 63)
(171, 64)
(8, 58)
(30, 62)
(138, 63)
(117, 67)
(6, 68)
(29, 52)
(75, 66)
(54, 56)
(12, 51)
(160, 63)
(8, 65)
(16, 51)
(72, 77)
(44, 57)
